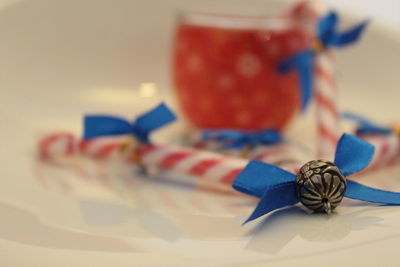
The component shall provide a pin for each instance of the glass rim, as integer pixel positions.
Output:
(228, 21)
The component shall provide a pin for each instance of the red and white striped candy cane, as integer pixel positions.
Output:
(210, 167)
(66, 144)
(328, 121)
(107, 147)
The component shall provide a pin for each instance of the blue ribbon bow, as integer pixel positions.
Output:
(366, 126)
(327, 36)
(102, 125)
(239, 139)
(277, 187)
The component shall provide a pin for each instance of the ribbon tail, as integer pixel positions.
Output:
(366, 126)
(97, 126)
(258, 176)
(373, 129)
(349, 36)
(355, 117)
(304, 64)
(154, 119)
(275, 197)
(306, 76)
(361, 192)
(353, 154)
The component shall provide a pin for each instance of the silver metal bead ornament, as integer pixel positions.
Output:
(320, 186)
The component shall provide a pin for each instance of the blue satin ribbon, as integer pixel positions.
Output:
(277, 187)
(327, 36)
(303, 63)
(239, 139)
(103, 125)
(366, 126)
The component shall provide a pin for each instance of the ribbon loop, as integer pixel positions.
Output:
(327, 36)
(102, 125)
(326, 27)
(152, 120)
(258, 176)
(277, 187)
(99, 125)
(353, 154)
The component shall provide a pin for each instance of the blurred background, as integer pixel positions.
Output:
(102, 54)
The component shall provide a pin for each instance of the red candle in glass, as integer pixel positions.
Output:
(225, 71)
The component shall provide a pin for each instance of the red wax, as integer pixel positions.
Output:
(227, 77)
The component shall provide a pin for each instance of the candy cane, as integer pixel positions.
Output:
(66, 144)
(328, 121)
(210, 167)
(107, 147)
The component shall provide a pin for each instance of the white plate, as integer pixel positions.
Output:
(60, 59)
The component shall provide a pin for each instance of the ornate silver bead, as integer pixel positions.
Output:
(320, 186)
